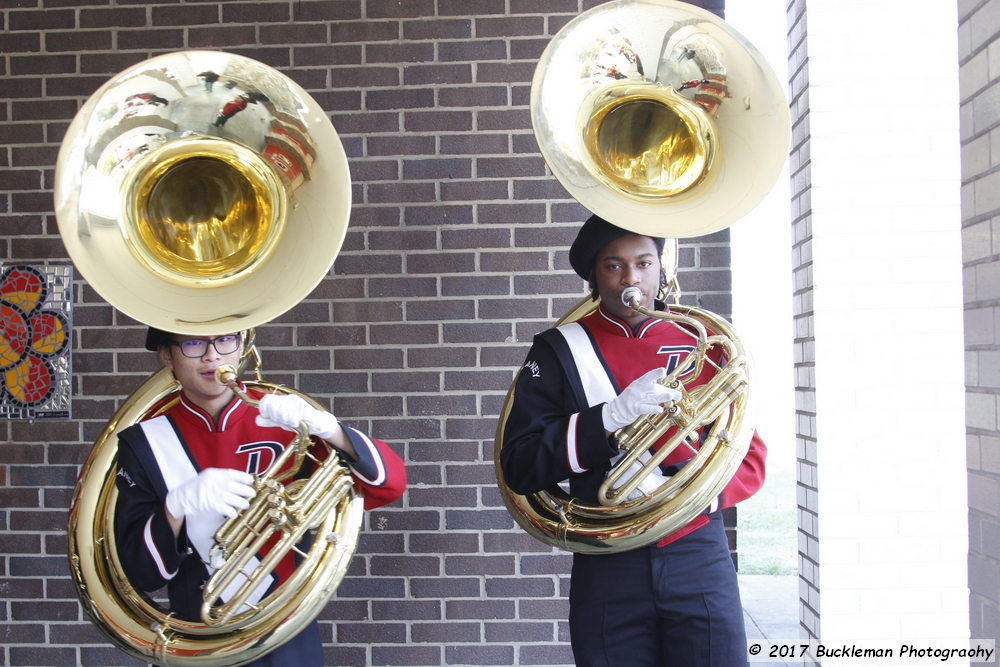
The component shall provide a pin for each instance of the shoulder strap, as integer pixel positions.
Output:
(176, 468)
(597, 384)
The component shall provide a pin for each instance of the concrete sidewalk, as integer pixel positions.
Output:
(770, 610)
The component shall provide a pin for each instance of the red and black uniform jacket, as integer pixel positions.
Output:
(154, 455)
(555, 431)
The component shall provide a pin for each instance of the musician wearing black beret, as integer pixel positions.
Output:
(675, 602)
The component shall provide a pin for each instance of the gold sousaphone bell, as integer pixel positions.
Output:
(660, 118)
(203, 193)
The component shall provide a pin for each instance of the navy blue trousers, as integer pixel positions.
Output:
(672, 606)
(303, 650)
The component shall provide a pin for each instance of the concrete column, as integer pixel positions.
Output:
(878, 320)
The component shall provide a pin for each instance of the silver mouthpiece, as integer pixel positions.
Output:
(632, 296)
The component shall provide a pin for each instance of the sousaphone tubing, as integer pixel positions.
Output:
(204, 193)
(662, 119)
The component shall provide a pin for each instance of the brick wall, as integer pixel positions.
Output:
(802, 316)
(456, 255)
(979, 41)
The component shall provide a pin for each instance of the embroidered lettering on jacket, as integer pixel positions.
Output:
(674, 355)
(124, 475)
(532, 366)
(262, 455)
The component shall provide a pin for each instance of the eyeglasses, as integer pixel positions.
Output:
(197, 347)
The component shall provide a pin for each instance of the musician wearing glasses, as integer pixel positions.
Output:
(181, 474)
(672, 603)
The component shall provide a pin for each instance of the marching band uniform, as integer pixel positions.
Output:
(672, 603)
(160, 454)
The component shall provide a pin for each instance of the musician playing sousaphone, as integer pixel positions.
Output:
(674, 602)
(181, 474)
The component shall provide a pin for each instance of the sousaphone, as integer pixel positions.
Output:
(662, 119)
(203, 193)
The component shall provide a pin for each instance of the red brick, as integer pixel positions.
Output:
(188, 15)
(510, 26)
(42, 19)
(473, 144)
(422, 75)
(405, 145)
(221, 37)
(400, 53)
(108, 63)
(437, 29)
(384, 193)
(381, 9)
(477, 190)
(334, 55)
(92, 40)
(439, 215)
(257, 12)
(20, 42)
(551, 6)
(473, 96)
(355, 77)
(42, 64)
(505, 72)
(118, 17)
(327, 10)
(434, 121)
(461, 7)
(437, 169)
(366, 123)
(365, 32)
(472, 50)
(162, 38)
(527, 49)
(404, 98)
(292, 34)
(28, 133)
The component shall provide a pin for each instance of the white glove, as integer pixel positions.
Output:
(643, 397)
(287, 410)
(220, 490)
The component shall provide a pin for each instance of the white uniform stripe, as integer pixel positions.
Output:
(224, 422)
(572, 451)
(147, 534)
(377, 457)
(208, 424)
(171, 457)
(625, 329)
(177, 469)
(596, 383)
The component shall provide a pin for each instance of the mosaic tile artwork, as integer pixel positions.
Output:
(35, 334)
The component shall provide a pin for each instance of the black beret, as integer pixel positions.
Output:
(157, 337)
(594, 235)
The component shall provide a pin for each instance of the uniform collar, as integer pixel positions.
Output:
(234, 411)
(619, 327)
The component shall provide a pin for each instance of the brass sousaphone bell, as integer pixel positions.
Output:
(203, 193)
(660, 118)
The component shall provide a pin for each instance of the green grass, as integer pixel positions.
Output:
(766, 528)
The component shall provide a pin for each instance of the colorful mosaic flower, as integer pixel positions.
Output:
(30, 337)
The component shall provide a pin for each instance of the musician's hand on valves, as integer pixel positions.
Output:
(219, 490)
(644, 396)
(287, 410)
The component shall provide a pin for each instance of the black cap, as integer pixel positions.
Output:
(157, 337)
(594, 235)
